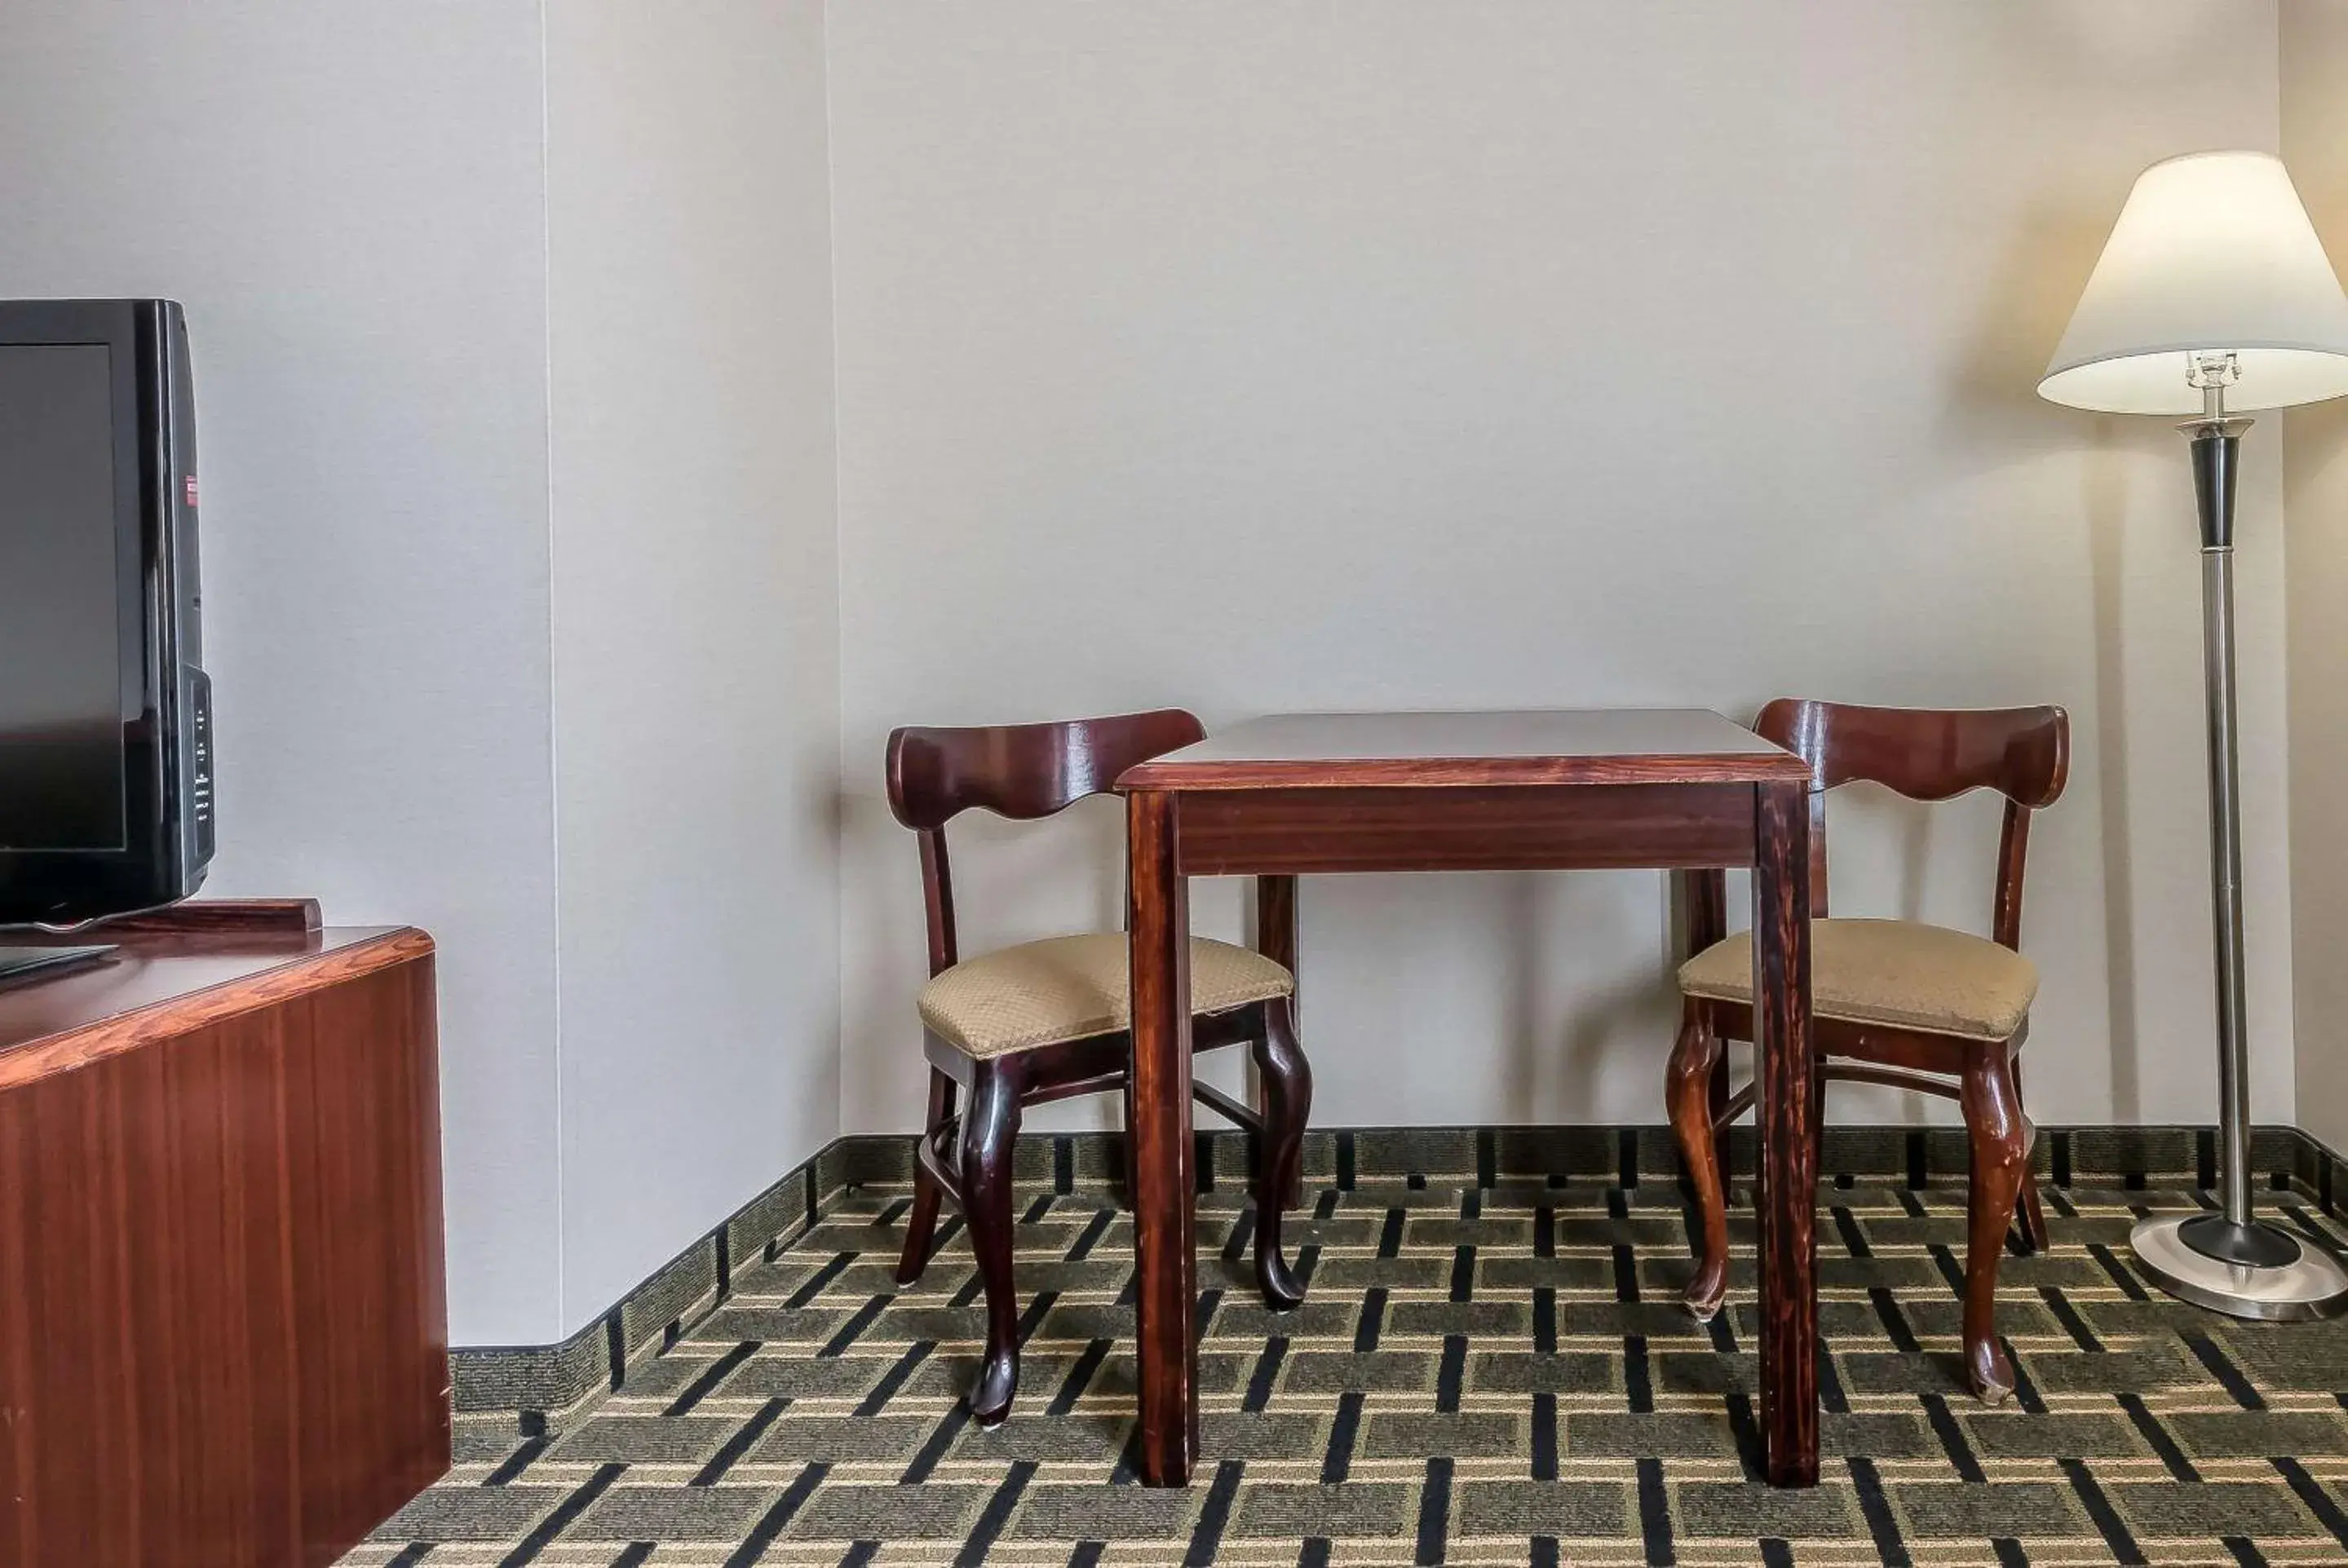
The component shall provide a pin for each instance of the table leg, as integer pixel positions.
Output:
(1158, 1132)
(1275, 920)
(1275, 938)
(1787, 1107)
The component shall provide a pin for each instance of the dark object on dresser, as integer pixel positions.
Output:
(105, 735)
(1047, 1019)
(20, 964)
(223, 1329)
(1895, 1001)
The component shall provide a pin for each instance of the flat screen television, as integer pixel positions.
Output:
(106, 752)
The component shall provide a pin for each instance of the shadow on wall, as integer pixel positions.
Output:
(1548, 1077)
(2107, 514)
(2023, 315)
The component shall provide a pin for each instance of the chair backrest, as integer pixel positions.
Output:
(1930, 753)
(1018, 771)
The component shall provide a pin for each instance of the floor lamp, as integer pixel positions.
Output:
(2213, 298)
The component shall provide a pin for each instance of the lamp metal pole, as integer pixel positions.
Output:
(2229, 1261)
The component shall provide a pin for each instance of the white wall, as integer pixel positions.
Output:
(2315, 145)
(1269, 357)
(695, 619)
(489, 553)
(1248, 357)
(348, 200)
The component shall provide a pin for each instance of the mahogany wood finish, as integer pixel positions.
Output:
(1395, 792)
(1705, 905)
(1786, 1076)
(1275, 920)
(1466, 827)
(157, 989)
(1025, 771)
(222, 1335)
(1566, 745)
(1022, 771)
(1926, 755)
(1275, 938)
(220, 916)
(1159, 1155)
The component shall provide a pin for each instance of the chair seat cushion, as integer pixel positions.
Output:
(1067, 988)
(1899, 973)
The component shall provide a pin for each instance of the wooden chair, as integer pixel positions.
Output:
(1897, 1002)
(1047, 1019)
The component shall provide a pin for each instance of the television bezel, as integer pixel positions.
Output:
(66, 887)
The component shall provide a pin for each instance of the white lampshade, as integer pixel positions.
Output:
(2212, 254)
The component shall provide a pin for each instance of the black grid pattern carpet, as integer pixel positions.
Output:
(1483, 1374)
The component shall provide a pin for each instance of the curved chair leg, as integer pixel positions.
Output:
(1719, 1098)
(989, 1130)
(1287, 1101)
(1818, 1114)
(2033, 1218)
(1687, 1090)
(2000, 1136)
(921, 1220)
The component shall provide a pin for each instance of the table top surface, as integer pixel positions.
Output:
(151, 981)
(1541, 746)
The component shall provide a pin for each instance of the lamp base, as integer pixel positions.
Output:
(2310, 1284)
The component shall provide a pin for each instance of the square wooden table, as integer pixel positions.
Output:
(1312, 793)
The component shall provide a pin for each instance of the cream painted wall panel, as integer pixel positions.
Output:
(695, 619)
(347, 200)
(2315, 145)
(1263, 357)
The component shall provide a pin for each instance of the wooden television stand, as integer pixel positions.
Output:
(222, 1326)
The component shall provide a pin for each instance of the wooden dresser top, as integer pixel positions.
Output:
(162, 984)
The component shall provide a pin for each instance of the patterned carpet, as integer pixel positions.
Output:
(1495, 1374)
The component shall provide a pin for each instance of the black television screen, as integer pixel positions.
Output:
(106, 778)
(61, 777)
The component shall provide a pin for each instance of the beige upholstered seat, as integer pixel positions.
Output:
(1067, 988)
(1898, 973)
